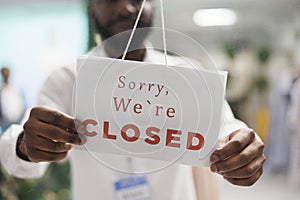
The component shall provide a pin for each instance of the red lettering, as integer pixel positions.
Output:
(137, 107)
(136, 133)
(106, 132)
(155, 138)
(121, 103)
(150, 86)
(131, 85)
(190, 145)
(170, 111)
(170, 138)
(131, 133)
(157, 109)
(141, 85)
(89, 122)
(123, 83)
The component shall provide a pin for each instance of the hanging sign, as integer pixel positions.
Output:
(138, 109)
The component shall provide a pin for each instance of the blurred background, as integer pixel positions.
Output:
(258, 42)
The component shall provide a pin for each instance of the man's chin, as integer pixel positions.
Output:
(120, 40)
(121, 27)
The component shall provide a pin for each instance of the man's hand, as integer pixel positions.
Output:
(239, 158)
(49, 135)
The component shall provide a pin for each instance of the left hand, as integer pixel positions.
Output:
(239, 158)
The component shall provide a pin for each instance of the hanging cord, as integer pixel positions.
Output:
(164, 30)
(134, 29)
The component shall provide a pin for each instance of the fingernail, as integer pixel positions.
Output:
(214, 158)
(69, 146)
(213, 168)
(81, 129)
(83, 139)
(77, 123)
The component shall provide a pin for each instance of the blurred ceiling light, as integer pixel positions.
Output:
(215, 17)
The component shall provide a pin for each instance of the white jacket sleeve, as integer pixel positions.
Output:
(56, 93)
(230, 123)
(14, 165)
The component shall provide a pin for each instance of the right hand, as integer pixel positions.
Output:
(49, 135)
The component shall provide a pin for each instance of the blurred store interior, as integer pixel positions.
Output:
(257, 42)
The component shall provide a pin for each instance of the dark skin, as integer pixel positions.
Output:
(5, 74)
(111, 17)
(239, 157)
(49, 134)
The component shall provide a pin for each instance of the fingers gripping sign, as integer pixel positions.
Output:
(240, 158)
(49, 135)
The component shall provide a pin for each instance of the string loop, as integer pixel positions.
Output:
(135, 27)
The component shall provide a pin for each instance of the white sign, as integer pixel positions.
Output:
(153, 111)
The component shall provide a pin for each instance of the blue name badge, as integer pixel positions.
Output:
(133, 188)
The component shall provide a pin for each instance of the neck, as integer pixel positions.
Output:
(136, 55)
